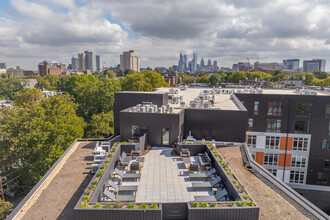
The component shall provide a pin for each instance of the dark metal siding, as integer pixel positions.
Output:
(125, 100)
(216, 124)
(319, 125)
(175, 211)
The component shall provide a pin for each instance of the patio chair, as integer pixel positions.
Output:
(125, 198)
(193, 168)
(202, 175)
(135, 166)
(119, 188)
(184, 153)
(219, 196)
(124, 160)
(205, 161)
(127, 175)
(210, 184)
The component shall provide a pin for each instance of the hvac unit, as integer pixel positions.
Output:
(176, 99)
(182, 104)
(194, 104)
(160, 110)
(171, 91)
(207, 104)
(171, 110)
(238, 91)
(147, 108)
(163, 109)
(151, 109)
(143, 109)
(176, 91)
(217, 91)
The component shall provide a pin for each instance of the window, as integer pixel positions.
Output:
(270, 159)
(273, 171)
(256, 107)
(300, 144)
(302, 127)
(273, 125)
(322, 178)
(166, 137)
(252, 141)
(326, 164)
(304, 109)
(297, 176)
(272, 142)
(298, 161)
(325, 144)
(329, 129)
(275, 108)
(250, 124)
(138, 131)
(327, 111)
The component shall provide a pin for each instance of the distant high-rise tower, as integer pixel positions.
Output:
(82, 65)
(2, 66)
(209, 63)
(185, 60)
(130, 60)
(99, 65)
(75, 63)
(194, 63)
(215, 63)
(90, 61)
(202, 62)
(314, 65)
(291, 63)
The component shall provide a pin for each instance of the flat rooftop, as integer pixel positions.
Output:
(60, 193)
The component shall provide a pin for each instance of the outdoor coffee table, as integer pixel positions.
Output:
(186, 162)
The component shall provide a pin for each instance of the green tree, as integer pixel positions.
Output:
(129, 71)
(320, 74)
(37, 135)
(188, 79)
(100, 126)
(203, 79)
(70, 83)
(10, 88)
(48, 82)
(215, 80)
(110, 74)
(236, 77)
(309, 77)
(4, 208)
(28, 96)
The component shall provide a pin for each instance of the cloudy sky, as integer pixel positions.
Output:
(225, 30)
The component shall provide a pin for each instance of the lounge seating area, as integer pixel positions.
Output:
(160, 176)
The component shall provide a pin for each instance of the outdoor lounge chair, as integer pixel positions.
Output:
(136, 153)
(211, 184)
(219, 195)
(126, 198)
(205, 160)
(193, 168)
(202, 175)
(127, 175)
(122, 188)
(124, 160)
(184, 153)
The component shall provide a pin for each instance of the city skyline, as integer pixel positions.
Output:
(55, 30)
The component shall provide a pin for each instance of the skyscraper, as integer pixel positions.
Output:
(209, 63)
(291, 63)
(81, 57)
(90, 61)
(194, 63)
(314, 65)
(99, 65)
(202, 62)
(130, 60)
(215, 63)
(2, 66)
(75, 63)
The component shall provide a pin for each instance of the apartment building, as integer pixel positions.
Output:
(130, 60)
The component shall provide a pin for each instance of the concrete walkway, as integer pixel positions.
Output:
(165, 178)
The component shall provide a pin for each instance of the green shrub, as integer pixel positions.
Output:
(124, 142)
(117, 205)
(107, 205)
(247, 197)
(210, 146)
(100, 173)
(153, 206)
(113, 150)
(131, 206)
(227, 169)
(229, 173)
(241, 204)
(231, 204)
(106, 163)
(195, 204)
(91, 186)
(202, 142)
(144, 207)
(85, 198)
(235, 182)
(95, 182)
(111, 155)
(251, 203)
(97, 206)
(83, 204)
(204, 205)
(216, 154)
(213, 204)
(241, 189)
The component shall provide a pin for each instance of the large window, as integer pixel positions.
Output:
(298, 161)
(270, 159)
(250, 124)
(274, 108)
(166, 137)
(327, 111)
(325, 144)
(252, 141)
(273, 171)
(300, 144)
(302, 127)
(138, 131)
(256, 108)
(297, 176)
(326, 164)
(272, 142)
(304, 109)
(322, 178)
(273, 125)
